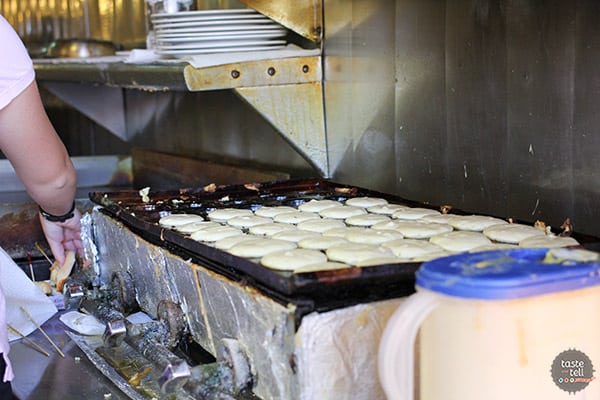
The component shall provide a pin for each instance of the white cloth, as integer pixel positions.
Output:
(4, 346)
(16, 291)
(16, 67)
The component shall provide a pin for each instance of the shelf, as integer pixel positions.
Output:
(153, 77)
(285, 88)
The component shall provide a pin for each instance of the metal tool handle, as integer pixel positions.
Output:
(115, 328)
(175, 371)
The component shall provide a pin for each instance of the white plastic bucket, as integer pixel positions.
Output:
(519, 324)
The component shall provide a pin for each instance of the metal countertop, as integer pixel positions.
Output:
(38, 377)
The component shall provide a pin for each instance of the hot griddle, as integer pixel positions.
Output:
(324, 287)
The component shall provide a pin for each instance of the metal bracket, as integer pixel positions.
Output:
(266, 72)
(297, 112)
(303, 17)
(287, 92)
(105, 107)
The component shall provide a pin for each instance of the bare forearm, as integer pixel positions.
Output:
(29, 141)
(55, 195)
(36, 152)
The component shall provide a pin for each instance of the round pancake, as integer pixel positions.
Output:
(342, 212)
(365, 202)
(214, 234)
(439, 218)
(548, 241)
(431, 256)
(354, 253)
(290, 260)
(260, 247)
(196, 226)
(414, 213)
(379, 261)
(246, 221)
(512, 233)
(179, 219)
(421, 230)
(326, 266)
(320, 242)
(411, 248)
(366, 219)
(342, 232)
(295, 217)
(321, 225)
(318, 205)
(386, 209)
(270, 229)
(388, 225)
(229, 242)
(295, 235)
(493, 246)
(372, 236)
(476, 223)
(224, 214)
(563, 255)
(271, 211)
(459, 241)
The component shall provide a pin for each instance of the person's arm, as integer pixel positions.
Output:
(29, 141)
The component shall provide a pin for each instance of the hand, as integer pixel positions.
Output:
(63, 236)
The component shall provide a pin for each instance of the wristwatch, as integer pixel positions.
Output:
(58, 218)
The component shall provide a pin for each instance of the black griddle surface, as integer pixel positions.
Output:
(343, 286)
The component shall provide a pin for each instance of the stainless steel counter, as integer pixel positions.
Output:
(54, 377)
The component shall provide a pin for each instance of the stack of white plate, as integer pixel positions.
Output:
(215, 31)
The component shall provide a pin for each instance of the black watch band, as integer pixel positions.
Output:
(59, 218)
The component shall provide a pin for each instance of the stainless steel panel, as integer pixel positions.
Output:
(493, 107)
(359, 91)
(488, 105)
(216, 307)
(40, 21)
(210, 126)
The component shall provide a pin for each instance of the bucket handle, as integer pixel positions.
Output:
(396, 349)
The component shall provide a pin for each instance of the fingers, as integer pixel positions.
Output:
(72, 240)
(58, 251)
(62, 237)
(75, 245)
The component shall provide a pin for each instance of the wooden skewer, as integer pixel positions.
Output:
(31, 342)
(31, 267)
(37, 245)
(44, 333)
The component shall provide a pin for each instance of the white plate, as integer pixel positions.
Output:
(191, 24)
(203, 33)
(218, 50)
(208, 38)
(200, 20)
(213, 21)
(217, 29)
(205, 13)
(215, 44)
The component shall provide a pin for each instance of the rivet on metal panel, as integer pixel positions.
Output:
(305, 68)
(235, 74)
(271, 71)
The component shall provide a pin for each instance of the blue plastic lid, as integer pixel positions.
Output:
(510, 274)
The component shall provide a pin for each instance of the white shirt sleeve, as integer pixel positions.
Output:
(16, 68)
